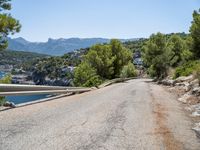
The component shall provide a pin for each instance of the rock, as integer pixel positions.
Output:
(196, 91)
(196, 113)
(9, 104)
(194, 83)
(167, 82)
(197, 129)
(184, 98)
(196, 110)
(187, 87)
(184, 79)
(184, 85)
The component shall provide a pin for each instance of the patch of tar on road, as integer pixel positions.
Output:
(162, 130)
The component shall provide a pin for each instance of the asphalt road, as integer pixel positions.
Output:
(135, 115)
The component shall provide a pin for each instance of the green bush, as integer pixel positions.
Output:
(186, 69)
(5, 80)
(151, 71)
(86, 76)
(128, 71)
(2, 101)
(93, 81)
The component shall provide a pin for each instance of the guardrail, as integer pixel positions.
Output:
(15, 89)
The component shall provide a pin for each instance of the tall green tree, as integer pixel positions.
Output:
(178, 50)
(122, 56)
(8, 24)
(156, 55)
(195, 33)
(101, 58)
(86, 76)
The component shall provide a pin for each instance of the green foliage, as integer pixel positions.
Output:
(102, 62)
(195, 33)
(135, 45)
(128, 71)
(8, 25)
(5, 80)
(178, 50)
(156, 55)
(2, 101)
(19, 58)
(161, 52)
(121, 56)
(186, 69)
(86, 76)
(101, 58)
(48, 68)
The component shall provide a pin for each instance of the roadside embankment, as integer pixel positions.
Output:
(188, 91)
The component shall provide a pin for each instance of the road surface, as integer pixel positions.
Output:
(135, 115)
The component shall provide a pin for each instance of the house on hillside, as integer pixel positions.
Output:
(137, 59)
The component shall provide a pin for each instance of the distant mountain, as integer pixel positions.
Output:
(55, 46)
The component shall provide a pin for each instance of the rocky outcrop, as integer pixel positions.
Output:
(196, 91)
(167, 82)
(9, 104)
(188, 84)
(188, 90)
(185, 98)
(197, 129)
(184, 79)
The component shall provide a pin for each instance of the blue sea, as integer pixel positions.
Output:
(23, 99)
(2, 74)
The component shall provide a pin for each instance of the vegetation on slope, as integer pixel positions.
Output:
(5, 80)
(17, 58)
(180, 51)
(104, 62)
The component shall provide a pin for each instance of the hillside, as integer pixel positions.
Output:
(16, 58)
(56, 47)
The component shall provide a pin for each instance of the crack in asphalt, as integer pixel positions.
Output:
(113, 122)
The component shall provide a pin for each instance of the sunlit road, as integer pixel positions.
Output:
(136, 115)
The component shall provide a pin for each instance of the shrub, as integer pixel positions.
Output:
(86, 76)
(186, 69)
(5, 80)
(156, 55)
(128, 71)
(93, 81)
(2, 101)
(151, 71)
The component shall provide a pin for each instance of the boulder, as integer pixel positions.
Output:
(167, 82)
(184, 98)
(184, 85)
(184, 79)
(196, 110)
(196, 91)
(9, 104)
(194, 83)
(197, 129)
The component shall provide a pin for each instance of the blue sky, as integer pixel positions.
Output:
(42, 19)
